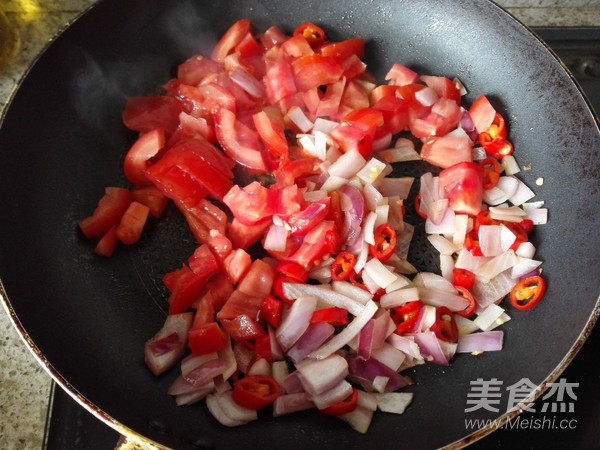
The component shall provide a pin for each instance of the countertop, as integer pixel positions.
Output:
(25, 388)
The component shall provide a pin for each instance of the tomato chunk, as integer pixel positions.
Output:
(109, 211)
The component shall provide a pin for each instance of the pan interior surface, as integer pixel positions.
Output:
(62, 141)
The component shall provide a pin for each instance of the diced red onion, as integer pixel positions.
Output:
(399, 187)
(425, 319)
(510, 165)
(426, 97)
(333, 183)
(445, 226)
(524, 266)
(350, 290)
(430, 347)
(298, 118)
(538, 216)
(313, 338)
(247, 82)
(292, 383)
(467, 124)
(379, 383)
(465, 326)
(291, 403)
(260, 367)
(347, 334)
(436, 210)
(369, 227)
(394, 402)
(277, 235)
(389, 355)
(441, 244)
(367, 400)
(526, 250)
(320, 375)
(400, 283)
(438, 297)
(324, 293)
(243, 356)
(432, 280)
(206, 372)
(233, 410)
(364, 372)
(447, 266)
(496, 265)
(404, 150)
(522, 194)
(324, 125)
(495, 239)
(406, 345)
(493, 291)
(465, 260)
(189, 398)
(461, 226)
(380, 274)
(488, 316)
(365, 340)
(182, 386)
(280, 371)
(167, 347)
(347, 165)
(295, 321)
(359, 419)
(190, 362)
(485, 341)
(399, 297)
(215, 408)
(334, 395)
(371, 171)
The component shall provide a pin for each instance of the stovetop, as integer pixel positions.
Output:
(73, 428)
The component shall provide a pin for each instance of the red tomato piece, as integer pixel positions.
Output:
(243, 235)
(343, 50)
(138, 157)
(239, 142)
(482, 113)
(273, 137)
(239, 304)
(152, 197)
(248, 204)
(230, 39)
(237, 264)
(256, 391)
(108, 212)
(316, 70)
(187, 290)
(107, 243)
(279, 81)
(462, 185)
(203, 261)
(132, 223)
(206, 339)
(242, 328)
(271, 311)
(149, 113)
(258, 280)
(444, 87)
(445, 151)
(400, 75)
(196, 68)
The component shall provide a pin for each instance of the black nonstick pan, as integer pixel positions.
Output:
(87, 318)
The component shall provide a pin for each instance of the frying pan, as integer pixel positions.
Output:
(87, 318)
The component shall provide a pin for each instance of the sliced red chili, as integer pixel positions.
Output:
(343, 266)
(463, 277)
(278, 287)
(405, 316)
(527, 225)
(292, 269)
(465, 293)
(491, 172)
(527, 293)
(256, 391)
(332, 242)
(338, 317)
(344, 407)
(311, 32)
(472, 244)
(494, 139)
(418, 207)
(356, 280)
(445, 327)
(483, 218)
(385, 242)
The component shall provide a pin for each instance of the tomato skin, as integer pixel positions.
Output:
(230, 39)
(527, 293)
(206, 339)
(256, 391)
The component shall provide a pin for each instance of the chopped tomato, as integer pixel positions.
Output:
(311, 71)
(145, 114)
(232, 37)
(132, 223)
(139, 155)
(462, 185)
(343, 50)
(271, 311)
(207, 338)
(109, 211)
(446, 151)
(338, 317)
(152, 197)
(256, 391)
(107, 243)
(482, 113)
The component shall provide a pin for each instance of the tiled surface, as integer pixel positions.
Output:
(24, 386)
